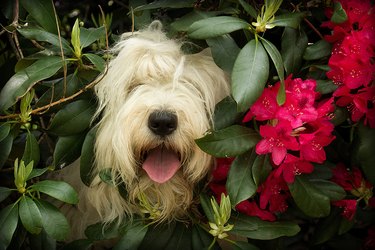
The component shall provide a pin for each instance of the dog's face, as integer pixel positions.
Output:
(154, 102)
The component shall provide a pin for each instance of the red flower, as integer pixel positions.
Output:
(349, 208)
(221, 170)
(251, 208)
(265, 107)
(293, 166)
(276, 140)
(274, 192)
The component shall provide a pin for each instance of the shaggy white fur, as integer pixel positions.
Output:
(154, 101)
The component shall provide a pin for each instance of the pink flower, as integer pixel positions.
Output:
(349, 208)
(293, 166)
(276, 140)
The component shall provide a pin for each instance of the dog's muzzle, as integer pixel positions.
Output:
(162, 123)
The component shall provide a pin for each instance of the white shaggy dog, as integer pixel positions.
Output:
(154, 101)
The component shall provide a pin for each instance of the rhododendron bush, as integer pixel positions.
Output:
(294, 143)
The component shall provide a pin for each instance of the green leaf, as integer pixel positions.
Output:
(106, 176)
(133, 236)
(231, 141)
(59, 190)
(82, 244)
(5, 148)
(216, 26)
(100, 231)
(54, 222)
(206, 206)
(289, 20)
(4, 131)
(326, 229)
(200, 238)
(73, 118)
(261, 169)
(224, 51)
(255, 228)
(88, 36)
(183, 23)
(42, 12)
(226, 113)
(98, 61)
(37, 172)
(67, 150)
(166, 4)
(87, 157)
(318, 50)
(142, 18)
(240, 184)
(241, 245)
(249, 9)
(22, 81)
(309, 199)
(4, 193)
(249, 75)
(31, 152)
(339, 15)
(333, 191)
(325, 86)
(275, 55)
(293, 45)
(39, 34)
(30, 215)
(363, 151)
(8, 224)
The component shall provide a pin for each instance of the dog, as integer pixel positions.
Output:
(153, 102)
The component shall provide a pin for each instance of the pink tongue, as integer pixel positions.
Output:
(161, 164)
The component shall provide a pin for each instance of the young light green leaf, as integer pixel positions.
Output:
(54, 222)
(87, 157)
(98, 61)
(88, 36)
(216, 26)
(240, 184)
(31, 152)
(250, 74)
(73, 118)
(8, 224)
(42, 12)
(231, 141)
(75, 39)
(30, 215)
(57, 189)
(309, 199)
(23, 80)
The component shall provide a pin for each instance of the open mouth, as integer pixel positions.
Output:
(161, 164)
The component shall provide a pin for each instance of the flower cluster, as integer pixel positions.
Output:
(352, 61)
(354, 183)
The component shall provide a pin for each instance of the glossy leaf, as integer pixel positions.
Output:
(89, 36)
(20, 83)
(8, 224)
(59, 190)
(339, 15)
(261, 169)
(309, 198)
(5, 148)
(4, 131)
(240, 184)
(326, 229)
(318, 50)
(225, 113)
(183, 23)
(132, 238)
(67, 150)
(39, 34)
(325, 86)
(293, 45)
(228, 142)
(4, 193)
(291, 20)
(87, 157)
(255, 228)
(206, 206)
(37, 172)
(73, 118)
(216, 26)
(364, 153)
(53, 221)
(275, 56)
(242, 245)
(30, 215)
(165, 4)
(250, 74)
(201, 239)
(100, 231)
(98, 62)
(224, 51)
(32, 152)
(249, 9)
(42, 12)
(333, 191)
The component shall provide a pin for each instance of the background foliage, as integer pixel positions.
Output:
(51, 52)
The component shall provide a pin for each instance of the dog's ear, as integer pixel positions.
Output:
(155, 26)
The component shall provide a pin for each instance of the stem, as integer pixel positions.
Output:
(212, 244)
(313, 28)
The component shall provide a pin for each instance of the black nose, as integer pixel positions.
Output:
(162, 122)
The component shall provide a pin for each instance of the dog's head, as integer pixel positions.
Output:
(154, 101)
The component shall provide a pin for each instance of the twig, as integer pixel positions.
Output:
(313, 28)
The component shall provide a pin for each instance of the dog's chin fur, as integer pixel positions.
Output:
(150, 73)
